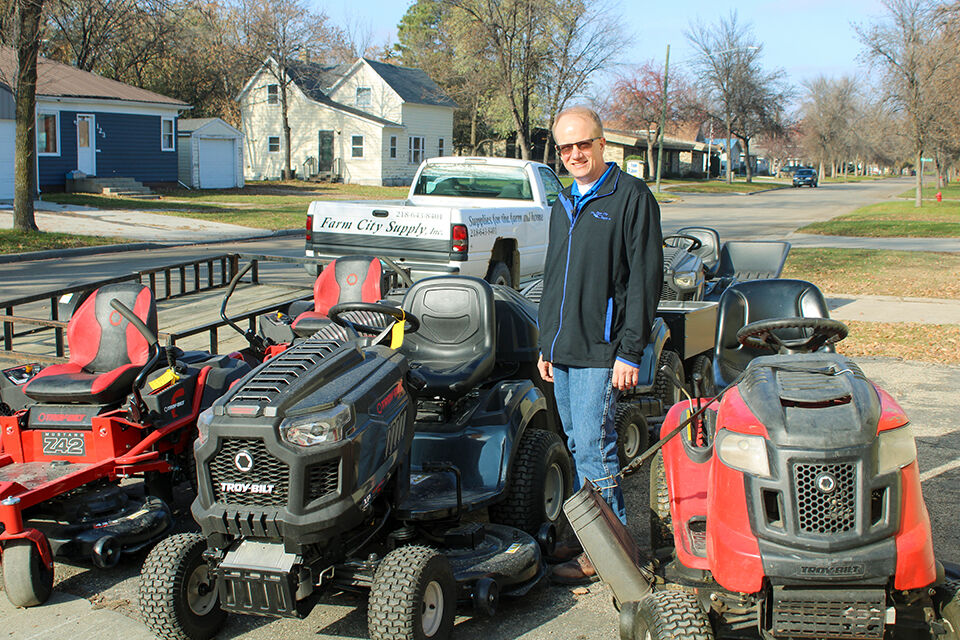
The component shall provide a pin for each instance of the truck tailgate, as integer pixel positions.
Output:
(382, 227)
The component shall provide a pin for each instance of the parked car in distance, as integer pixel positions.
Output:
(805, 177)
(788, 171)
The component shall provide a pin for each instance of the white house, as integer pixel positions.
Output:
(363, 123)
(210, 154)
(8, 132)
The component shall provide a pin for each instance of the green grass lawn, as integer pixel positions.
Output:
(852, 178)
(929, 191)
(12, 241)
(894, 220)
(263, 205)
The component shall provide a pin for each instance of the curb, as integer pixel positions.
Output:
(50, 254)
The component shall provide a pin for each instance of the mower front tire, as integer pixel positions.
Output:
(540, 480)
(27, 581)
(633, 435)
(671, 615)
(413, 597)
(661, 527)
(178, 594)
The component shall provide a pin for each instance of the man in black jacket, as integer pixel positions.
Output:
(602, 280)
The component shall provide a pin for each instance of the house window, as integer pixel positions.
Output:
(364, 96)
(273, 94)
(440, 148)
(48, 140)
(416, 150)
(273, 144)
(357, 147)
(167, 136)
(393, 146)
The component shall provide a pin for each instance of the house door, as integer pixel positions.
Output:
(86, 145)
(325, 153)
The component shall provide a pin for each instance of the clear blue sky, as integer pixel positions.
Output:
(804, 37)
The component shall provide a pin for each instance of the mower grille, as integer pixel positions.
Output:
(848, 614)
(266, 471)
(323, 479)
(283, 370)
(826, 497)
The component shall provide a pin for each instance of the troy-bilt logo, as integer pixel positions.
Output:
(384, 403)
(60, 417)
(246, 487)
(175, 403)
(833, 570)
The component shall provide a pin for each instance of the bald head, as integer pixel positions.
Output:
(586, 114)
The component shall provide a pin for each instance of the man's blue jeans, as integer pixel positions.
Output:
(587, 402)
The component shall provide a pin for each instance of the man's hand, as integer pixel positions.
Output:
(546, 369)
(625, 376)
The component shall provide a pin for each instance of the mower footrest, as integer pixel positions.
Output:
(828, 613)
(264, 593)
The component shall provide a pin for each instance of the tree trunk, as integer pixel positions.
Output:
(729, 153)
(473, 131)
(746, 153)
(820, 172)
(649, 159)
(918, 200)
(284, 116)
(28, 46)
(547, 144)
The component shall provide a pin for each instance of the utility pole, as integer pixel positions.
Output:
(663, 118)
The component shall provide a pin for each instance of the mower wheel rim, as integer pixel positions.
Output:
(431, 611)
(201, 595)
(631, 440)
(553, 492)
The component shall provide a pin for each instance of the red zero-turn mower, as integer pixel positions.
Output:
(111, 412)
(787, 507)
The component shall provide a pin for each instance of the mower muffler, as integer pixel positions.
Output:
(608, 544)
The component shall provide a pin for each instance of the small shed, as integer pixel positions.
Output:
(8, 133)
(210, 154)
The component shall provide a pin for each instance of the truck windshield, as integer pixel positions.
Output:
(484, 181)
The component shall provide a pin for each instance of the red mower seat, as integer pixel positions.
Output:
(349, 279)
(106, 351)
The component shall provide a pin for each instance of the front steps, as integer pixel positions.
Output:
(118, 187)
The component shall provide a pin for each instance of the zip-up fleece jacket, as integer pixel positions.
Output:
(603, 274)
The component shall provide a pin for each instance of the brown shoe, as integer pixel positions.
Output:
(577, 571)
(566, 550)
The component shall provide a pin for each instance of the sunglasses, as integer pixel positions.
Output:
(583, 145)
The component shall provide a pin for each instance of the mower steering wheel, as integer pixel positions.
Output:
(694, 241)
(762, 334)
(412, 323)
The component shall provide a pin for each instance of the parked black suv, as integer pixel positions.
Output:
(805, 177)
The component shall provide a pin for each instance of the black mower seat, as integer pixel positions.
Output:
(455, 347)
(106, 352)
(709, 250)
(746, 302)
(752, 259)
(348, 279)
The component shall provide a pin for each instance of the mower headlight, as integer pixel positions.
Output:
(685, 279)
(317, 428)
(744, 453)
(896, 449)
(203, 425)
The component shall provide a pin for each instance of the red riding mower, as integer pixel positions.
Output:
(789, 506)
(76, 429)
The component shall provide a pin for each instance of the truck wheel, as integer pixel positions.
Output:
(661, 526)
(26, 579)
(663, 385)
(633, 436)
(949, 596)
(539, 482)
(413, 597)
(703, 365)
(671, 615)
(499, 273)
(178, 593)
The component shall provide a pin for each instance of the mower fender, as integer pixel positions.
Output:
(916, 567)
(659, 335)
(523, 402)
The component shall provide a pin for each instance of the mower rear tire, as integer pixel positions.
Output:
(178, 593)
(671, 615)
(539, 481)
(661, 526)
(663, 386)
(703, 365)
(413, 597)
(26, 579)
(633, 435)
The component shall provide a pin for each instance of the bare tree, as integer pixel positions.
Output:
(906, 47)
(829, 111)
(280, 32)
(28, 26)
(586, 37)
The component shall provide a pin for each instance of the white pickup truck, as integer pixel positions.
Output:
(484, 217)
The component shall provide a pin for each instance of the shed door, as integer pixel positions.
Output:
(218, 161)
(7, 134)
(325, 152)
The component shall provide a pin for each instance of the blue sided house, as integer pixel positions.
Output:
(99, 127)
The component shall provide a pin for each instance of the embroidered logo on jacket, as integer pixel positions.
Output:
(601, 215)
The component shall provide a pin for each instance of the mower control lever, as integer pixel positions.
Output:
(258, 343)
(137, 408)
